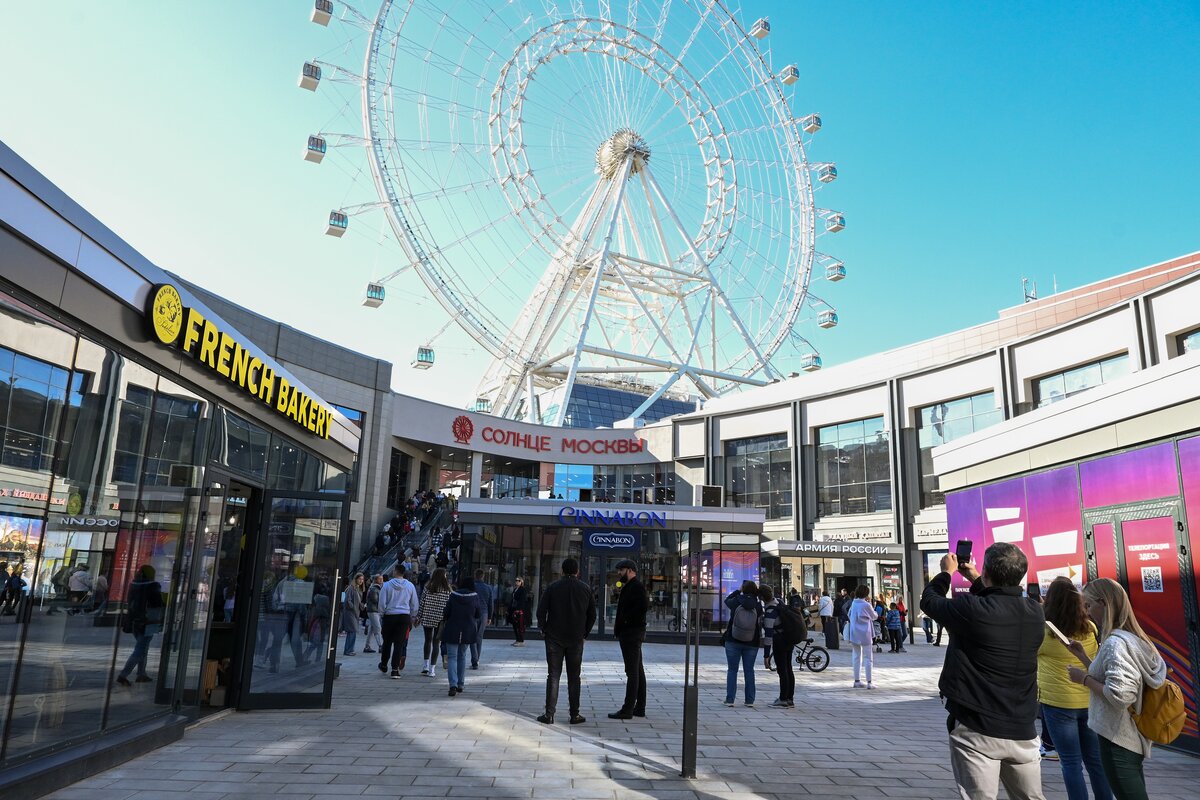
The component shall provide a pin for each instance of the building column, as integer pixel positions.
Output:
(476, 474)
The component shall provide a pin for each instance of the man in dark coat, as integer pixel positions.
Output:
(989, 678)
(566, 613)
(630, 630)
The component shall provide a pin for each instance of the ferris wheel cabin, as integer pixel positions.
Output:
(827, 319)
(322, 11)
(310, 76)
(760, 29)
(374, 296)
(827, 173)
(424, 359)
(835, 223)
(483, 405)
(811, 123)
(790, 74)
(338, 222)
(315, 151)
(835, 272)
(810, 362)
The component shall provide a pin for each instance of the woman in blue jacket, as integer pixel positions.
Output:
(742, 638)
(464, 611)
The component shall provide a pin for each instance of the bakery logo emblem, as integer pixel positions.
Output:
(462, 428)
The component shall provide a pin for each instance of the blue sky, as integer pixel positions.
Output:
(976, 142)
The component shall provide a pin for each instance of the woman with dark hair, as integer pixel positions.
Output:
(464, 610)
(742, 637)
(1065, 704)
(518, 611)
(143, 619)
(860, 633)
(431, 617)
(1126, 664)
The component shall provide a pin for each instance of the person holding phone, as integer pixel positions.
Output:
(1065, 704)
(989, 677)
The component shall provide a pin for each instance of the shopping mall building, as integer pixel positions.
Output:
(148, 422)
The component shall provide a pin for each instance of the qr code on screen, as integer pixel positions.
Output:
(1152, 579)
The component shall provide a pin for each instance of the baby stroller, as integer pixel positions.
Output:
(879, 634)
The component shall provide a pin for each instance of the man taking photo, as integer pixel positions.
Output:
(630, 630)
(566, 614)
(989, 678)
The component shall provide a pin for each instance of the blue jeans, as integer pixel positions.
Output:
(456, 667)
(351, 638)
(746, 654)
(477, 645)
(137, 659)
(1078, 746)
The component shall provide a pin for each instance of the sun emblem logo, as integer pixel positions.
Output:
(166, 313)
(462, 428)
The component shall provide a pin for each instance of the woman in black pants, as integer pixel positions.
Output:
(431, 616)
(517, 611)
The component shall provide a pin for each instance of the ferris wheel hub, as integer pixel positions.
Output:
(625, 143)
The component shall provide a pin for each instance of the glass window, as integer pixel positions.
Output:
(757, 473)
(241, 445)
(1052, 388)
(358, 419)
(944, 422)
(853, 468)
(1189, 342)
(398, 472)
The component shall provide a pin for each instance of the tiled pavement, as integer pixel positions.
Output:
(407, 739)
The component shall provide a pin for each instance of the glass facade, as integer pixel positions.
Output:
(600, 407)
(627, 483)
(853, 475)
(399, 469)
(103, 480)
(944, 422)
(535, 553)
(757, 473)
(1061, 385)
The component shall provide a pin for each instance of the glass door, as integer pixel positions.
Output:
(292, 620)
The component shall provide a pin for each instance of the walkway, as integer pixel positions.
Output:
(407, 739)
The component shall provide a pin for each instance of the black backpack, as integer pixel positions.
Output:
(791, 625)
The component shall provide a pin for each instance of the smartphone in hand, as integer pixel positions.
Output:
(962, 551)
(1057, 633)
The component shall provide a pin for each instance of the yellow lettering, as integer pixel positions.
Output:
(253, 371)
(224, 353)
(312, 417)
(191, 330)
(322, 418)
(293, 401)
(266, 389)
(208, 345)
(284, 395)
(239, 368)
(302, 412)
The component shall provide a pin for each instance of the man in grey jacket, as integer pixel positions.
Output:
(398, 605)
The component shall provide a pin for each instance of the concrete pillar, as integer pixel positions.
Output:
(476, 474)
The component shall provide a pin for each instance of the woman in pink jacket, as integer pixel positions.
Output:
(860, 634)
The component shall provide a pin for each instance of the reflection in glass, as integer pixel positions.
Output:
(853, 472)
(758, 474)
(944, 422)
(1052, 388)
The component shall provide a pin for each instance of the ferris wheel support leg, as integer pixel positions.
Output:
(598, 279)
(712, 280)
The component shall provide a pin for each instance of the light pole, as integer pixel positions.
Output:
(691, 655)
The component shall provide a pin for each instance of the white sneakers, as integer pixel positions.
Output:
(859, 685)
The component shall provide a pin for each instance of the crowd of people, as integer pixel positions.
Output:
(1081, 661)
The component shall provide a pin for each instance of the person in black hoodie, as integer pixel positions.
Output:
(464, 610)
(143, 618)
(566, 613)
(989, 678)
(630, 629)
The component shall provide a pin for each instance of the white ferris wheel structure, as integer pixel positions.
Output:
(617, 194)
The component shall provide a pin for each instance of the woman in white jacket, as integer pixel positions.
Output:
(1126, 663)
(860, 634)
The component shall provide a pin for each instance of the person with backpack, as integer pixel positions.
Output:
(143, 619)
(742, 638)
(771, 606)
(1130, 698)
(788, 632)
(860, 633)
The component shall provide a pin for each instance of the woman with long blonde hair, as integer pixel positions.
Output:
(1125, 665)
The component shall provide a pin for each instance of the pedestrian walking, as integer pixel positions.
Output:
(1065, 704)
(143, 619)
(518, 611)
(828, 627)
(860, 633)
(771, 606)
(486, 598)
(374, 618)
(1127, 664)
(927, 625)
(464, 610)
(630, 629)
(566, 613)
(790, 629)
(398, 605)
(989, 677)
(893, 628)
(432, 618)
(742, 637)
(351, 610)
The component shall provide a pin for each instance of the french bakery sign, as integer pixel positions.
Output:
(462, 428)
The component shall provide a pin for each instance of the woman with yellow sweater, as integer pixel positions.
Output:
(1064, 703)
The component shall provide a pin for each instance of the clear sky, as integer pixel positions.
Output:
(977, 143)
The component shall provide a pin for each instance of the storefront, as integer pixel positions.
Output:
(172, 504)
(531, 538)
(812, 568)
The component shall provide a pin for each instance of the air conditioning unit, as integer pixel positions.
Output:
(705, 495)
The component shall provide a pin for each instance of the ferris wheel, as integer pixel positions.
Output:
(610, 193)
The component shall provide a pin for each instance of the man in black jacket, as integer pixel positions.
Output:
(989, 678)
(566, 614)
(630, 630)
